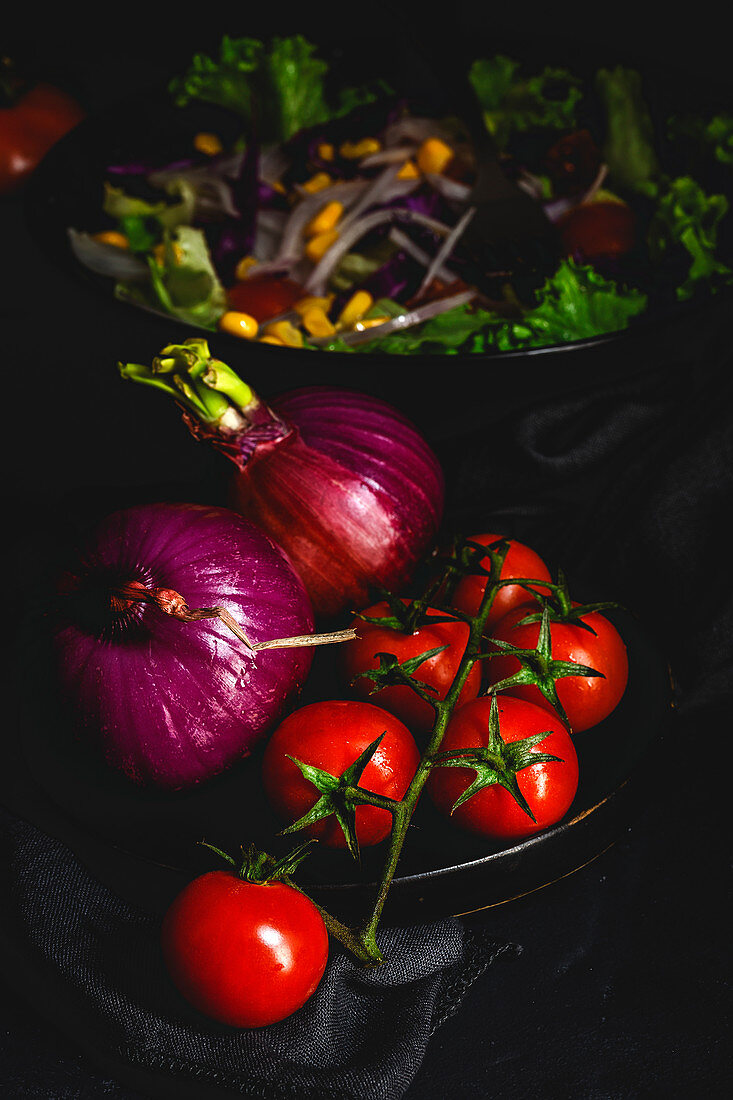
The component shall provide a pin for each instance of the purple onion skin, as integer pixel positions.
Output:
(172, 704)
(354, 494)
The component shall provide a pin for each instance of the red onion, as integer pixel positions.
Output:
(342, 481)
(175, 698)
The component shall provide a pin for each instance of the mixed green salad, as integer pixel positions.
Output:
(337, 221)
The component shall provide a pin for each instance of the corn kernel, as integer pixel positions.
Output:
(434, 155)
(355, 150)
(159, 253)
(316, 183)
(369, 322)
(113, 237)
(318, 246)
(326, 151)
(243, 268)
(238, 324)
(326, 219)
(207, 143)
(286, 332)
(408, 171)
(311, 301)
(355, 308)
(271, 340)
(317, 323)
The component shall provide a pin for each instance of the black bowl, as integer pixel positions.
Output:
(446, 396)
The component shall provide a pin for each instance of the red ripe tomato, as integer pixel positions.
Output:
(264, 296)
(587, 700)
(331, 735)
(246, 954)
(549, 787)
(520, 561)
(437, 672)
(598, 230)
(29, 127)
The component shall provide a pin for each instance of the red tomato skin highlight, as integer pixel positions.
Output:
(29, 128)
(264, 296)
(587, 700)
(549, 787)
(521, 561)
(437, 672)
(331, 735)
(244, 954)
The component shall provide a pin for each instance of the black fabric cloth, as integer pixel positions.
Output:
(621, 989)
(362, 1034)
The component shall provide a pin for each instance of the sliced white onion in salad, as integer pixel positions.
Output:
(106, 259)
(317, 281)
(404, 320)
(446, 248)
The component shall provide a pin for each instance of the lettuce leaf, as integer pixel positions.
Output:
(629, 147)
(510, 102)
(143, 222)
(687, 218)
(279, 87)
(185, 285)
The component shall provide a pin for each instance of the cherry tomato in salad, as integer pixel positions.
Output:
(246, 954)
(587, 700)
(547, 786)
(436, 672)
(264, 296)
(29, 126)
(598, 230)
(331, 735)
(520, 561)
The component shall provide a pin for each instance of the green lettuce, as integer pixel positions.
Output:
(280, 85)
(185, 285)
(687, 218)
(629, 147)
(511, 102)
(144, 223)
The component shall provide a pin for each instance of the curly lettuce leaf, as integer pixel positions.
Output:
(510, 102)
(185, 285)
(629, 147)
(687, 218)
(714, 133)
(280, 86)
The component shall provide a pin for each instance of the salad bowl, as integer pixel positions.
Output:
(571, 321)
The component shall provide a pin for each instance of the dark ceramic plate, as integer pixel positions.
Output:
(67, 191)
(144, 844)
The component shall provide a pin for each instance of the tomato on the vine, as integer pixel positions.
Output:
(244, 953)
(436, 672)
(504, 765)
(331, 736)
(264, 296)
(592, 641)
(520, 561)
(33, 121)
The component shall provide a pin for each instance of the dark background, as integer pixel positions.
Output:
(622, 988)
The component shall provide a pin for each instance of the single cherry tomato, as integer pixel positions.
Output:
(520, 561)
(548, 786)
(247, 954)
(33, 122)
(598, 230)
(331, 735)
(437, 672)
(264, 296)
(587, 700)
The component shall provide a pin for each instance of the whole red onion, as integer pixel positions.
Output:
(342, 481)
(173, 696)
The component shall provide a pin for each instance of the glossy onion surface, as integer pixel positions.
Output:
(173, 703)
(354, 494)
